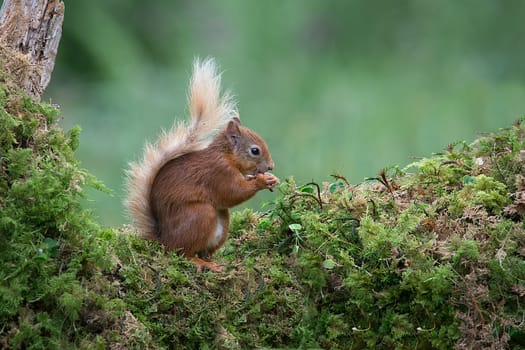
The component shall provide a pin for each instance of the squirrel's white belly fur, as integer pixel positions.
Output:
(218, 234)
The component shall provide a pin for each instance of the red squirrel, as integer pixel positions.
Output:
(180, 193)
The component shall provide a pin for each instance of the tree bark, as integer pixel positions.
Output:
(30, 32)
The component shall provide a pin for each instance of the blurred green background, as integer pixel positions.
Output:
(333, 86)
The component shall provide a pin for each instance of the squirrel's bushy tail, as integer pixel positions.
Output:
(209, 112)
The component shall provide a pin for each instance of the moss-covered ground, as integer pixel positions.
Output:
(430, 256)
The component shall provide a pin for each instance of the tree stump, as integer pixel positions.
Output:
(30, 32)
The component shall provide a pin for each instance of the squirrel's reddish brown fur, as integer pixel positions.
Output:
(180, 193)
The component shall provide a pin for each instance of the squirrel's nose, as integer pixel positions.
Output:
(264, 167)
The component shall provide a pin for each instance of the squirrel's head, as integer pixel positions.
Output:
(251, 153)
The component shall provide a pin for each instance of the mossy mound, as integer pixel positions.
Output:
(428, 257)
(43, 229)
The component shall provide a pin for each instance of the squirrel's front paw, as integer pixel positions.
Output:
(271, 181)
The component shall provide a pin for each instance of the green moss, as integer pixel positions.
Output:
(42, 227)
(414, 259)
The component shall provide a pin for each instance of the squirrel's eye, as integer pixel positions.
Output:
(255, 151)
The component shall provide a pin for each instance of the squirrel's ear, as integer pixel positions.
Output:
(237, 119)
(233, 132)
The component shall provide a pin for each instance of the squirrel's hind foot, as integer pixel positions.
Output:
(203, 264)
